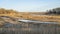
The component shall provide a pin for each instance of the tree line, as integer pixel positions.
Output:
(54, 11)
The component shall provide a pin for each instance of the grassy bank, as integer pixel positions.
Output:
(48, 18)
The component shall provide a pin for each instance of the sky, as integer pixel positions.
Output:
(29, 5)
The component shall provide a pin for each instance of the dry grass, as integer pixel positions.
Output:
(30, 15)
(48, 18)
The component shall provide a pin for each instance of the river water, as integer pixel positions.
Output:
(30, 27)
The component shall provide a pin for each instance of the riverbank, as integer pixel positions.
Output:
(44, 18)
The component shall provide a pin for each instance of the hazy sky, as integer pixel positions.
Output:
(29, 5)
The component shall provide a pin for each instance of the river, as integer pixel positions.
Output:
(31, 27)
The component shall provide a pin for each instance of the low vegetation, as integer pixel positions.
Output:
(9, 22)
(41, 16)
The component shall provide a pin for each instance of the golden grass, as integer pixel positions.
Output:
(48, 18)
(29, 15)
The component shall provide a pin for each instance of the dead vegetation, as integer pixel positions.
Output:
(30, 15)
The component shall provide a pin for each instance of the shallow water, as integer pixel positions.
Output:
(30, 28)
(35, 21)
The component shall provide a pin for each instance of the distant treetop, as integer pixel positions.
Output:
(54, 11)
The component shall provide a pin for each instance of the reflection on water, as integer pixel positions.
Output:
(35, 21)
(29, 28)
